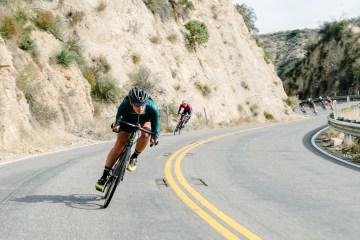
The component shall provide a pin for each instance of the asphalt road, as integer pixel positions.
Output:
(261, 181)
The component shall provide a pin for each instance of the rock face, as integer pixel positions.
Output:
(226, 77)
(324, 61)
(287, 47)
(331, 65)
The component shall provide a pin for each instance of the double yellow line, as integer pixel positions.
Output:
(179, 155)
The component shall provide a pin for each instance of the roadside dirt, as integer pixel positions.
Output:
(323, 141)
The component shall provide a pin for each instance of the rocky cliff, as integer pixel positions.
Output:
(324, 61)
(126, 43)
(287, 47)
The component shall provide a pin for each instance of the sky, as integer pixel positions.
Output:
(281, 15)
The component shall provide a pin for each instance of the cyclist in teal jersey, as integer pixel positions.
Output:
(136, 108)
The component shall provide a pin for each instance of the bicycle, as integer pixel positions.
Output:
(322, 103)
(302, 108)
(313, 109)
(117, 172)
(330, 104)
(180, 124)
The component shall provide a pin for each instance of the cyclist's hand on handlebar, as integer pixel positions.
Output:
(115, 127)
(154, 140)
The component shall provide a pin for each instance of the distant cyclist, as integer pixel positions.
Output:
(187, 111)
(330, 102)
(301, 104)
(136, 108)
(322, 102)
(311, 105)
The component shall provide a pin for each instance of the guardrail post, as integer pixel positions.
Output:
(335, 109)
(348, 100)
(205, 116)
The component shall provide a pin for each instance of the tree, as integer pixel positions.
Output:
(249, 17)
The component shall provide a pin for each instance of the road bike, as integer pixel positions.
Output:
(117, 172)
(322, 104)
(302, 108)
(313, 109)
(330, 104)
(181, 123)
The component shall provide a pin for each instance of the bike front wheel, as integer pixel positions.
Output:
(118, 174)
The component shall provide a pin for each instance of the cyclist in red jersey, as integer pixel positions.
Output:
(187, 111)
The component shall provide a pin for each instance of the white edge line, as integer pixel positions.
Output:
(48, 153)
(326, 153)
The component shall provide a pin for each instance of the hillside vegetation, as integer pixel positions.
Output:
(324, 61)
(66, 65)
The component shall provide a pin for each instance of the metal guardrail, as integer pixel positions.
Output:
(338, 98)
(346, 126)
(340, 124)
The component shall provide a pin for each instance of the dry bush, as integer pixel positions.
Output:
(101, 7)
(352, 113)
(205, 89)
(331, 133)
(155, 39)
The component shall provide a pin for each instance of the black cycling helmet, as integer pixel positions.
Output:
(138, 95)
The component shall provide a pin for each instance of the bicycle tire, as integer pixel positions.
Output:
(175, 130)
(178, 127)
(119, 173)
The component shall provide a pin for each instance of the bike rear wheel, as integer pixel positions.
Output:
(118, 174)
(178, 128)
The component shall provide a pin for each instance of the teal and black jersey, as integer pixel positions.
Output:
(151, 114)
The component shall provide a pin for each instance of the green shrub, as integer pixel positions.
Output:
(101, 7)
(244, 85)
(268, 116)
(177, 87)
(333, 30)
(66, 57)
(155, 39)
(8, 27)
(21, 16)
(135, 58)
(106, 90)
(198, 32)
(46, 21)
(76, 17)
(172, 38)
(173, 73)
(90, 75)
(160, 7)
(249, 17)
(293, 34)
(26, 43)
(205, 89)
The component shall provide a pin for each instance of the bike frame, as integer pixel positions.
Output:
(180, 125)
(117, 172)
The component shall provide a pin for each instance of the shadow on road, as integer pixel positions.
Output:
(80, 201)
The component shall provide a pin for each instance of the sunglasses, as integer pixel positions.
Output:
(139, 104)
